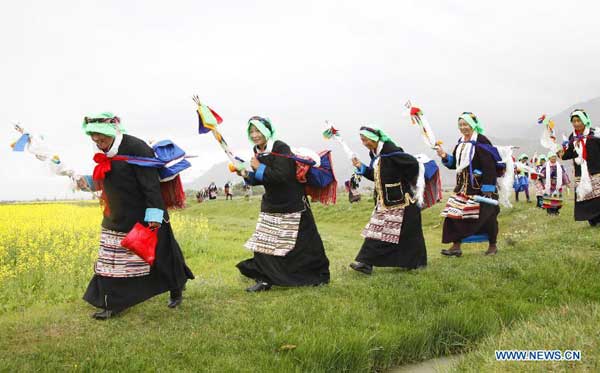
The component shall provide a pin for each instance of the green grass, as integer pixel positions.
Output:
(568, 327)
(473, 304)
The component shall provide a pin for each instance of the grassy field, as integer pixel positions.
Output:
(541, 291)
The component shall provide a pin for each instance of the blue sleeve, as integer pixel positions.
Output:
(154, 215)
(260, 172)
(487, 188)
(251, 179)
(367, 172)
(90, 182)
(362, 170)
(449, 162)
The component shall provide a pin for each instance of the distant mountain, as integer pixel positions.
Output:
(529, 138)
(219, 173)
(592, 107)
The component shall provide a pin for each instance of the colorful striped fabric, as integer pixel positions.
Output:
(595, 193)
(116, 261)
(275, 233)
(552, 202)
(460, 206)
(385, 225)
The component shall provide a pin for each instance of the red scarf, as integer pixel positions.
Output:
(104, 165)
(172, 191)
(582, 138)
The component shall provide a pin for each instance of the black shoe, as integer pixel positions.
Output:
(174, 302)
(362, 267)
(259, 286)
(104, 314)
(491, 251)
(456, 253)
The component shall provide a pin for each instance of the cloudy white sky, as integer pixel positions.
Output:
(298, 63)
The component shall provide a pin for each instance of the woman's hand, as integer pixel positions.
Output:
(82, 184)
(153, 225)
(242, 173)
(441, 152)
(254, 163)
(356, 163)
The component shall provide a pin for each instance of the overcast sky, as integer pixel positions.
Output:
(299, 63)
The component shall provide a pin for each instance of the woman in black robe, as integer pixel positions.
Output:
(130, 194)
(466, 220)
(287, 247)
(584, 148)
(394, 235)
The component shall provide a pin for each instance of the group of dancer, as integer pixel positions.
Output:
(212, 191)
(286, 245)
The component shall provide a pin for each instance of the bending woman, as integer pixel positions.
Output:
(130, 194)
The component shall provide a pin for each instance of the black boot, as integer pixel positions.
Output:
(362, 267)
(175, 298)
(104, 314)
(492, 250)
(452, 252)
(259, 286)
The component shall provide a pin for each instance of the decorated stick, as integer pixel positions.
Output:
(37, 146)
(548, 139)
(208, 120)
(331, 132)
(418, 118)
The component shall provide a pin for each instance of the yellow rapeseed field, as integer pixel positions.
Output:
(47, 250)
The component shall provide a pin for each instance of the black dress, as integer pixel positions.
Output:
(130, 189)
(306, 263)
(394, 173)
(588, 209)
(484, 176)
